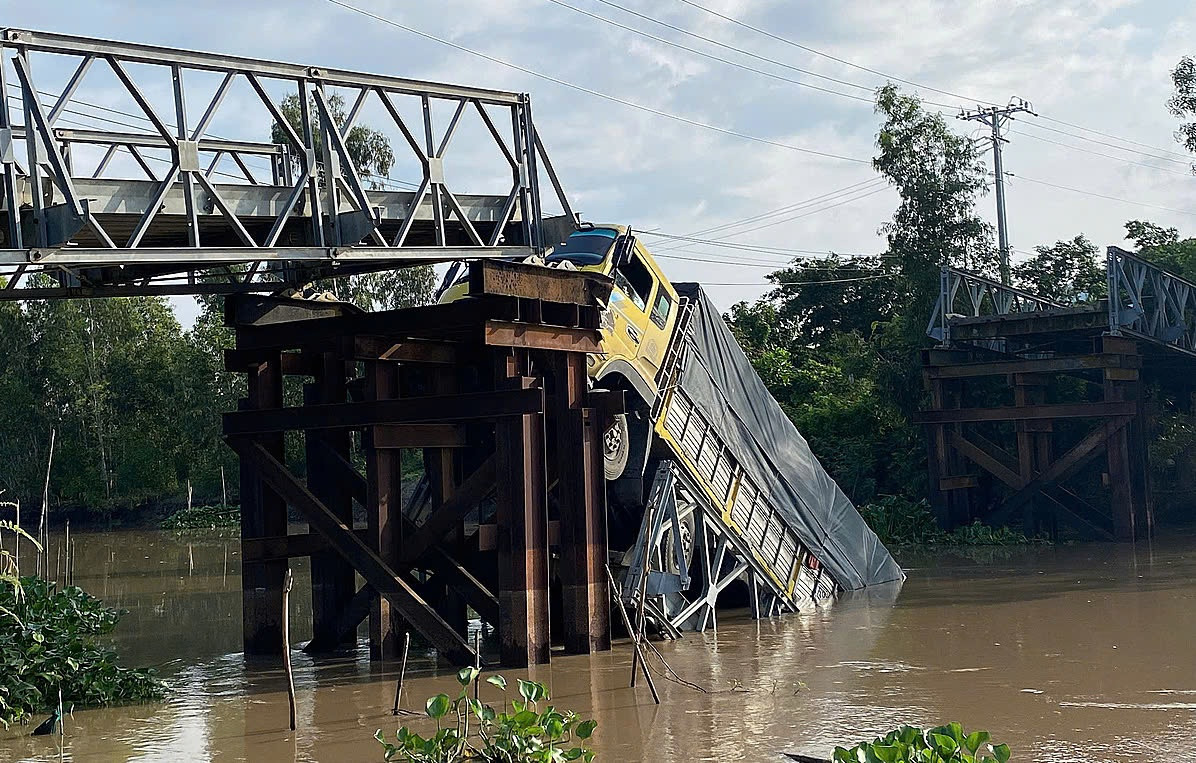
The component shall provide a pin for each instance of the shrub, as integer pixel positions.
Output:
(49, 641)
(204, 518)
(898, 521)
(945, 744)
(527, 734)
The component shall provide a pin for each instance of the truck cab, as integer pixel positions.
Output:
(636, 329)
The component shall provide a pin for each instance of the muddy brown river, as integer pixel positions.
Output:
(1074, 653)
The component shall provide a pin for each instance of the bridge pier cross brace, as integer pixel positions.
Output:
(1034, 462)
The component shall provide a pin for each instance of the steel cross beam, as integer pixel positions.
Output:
(72, 225)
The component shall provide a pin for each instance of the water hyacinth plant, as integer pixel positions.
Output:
(467, 729)
(50, 641)
(944, 744)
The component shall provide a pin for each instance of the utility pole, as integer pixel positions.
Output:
(995, 118)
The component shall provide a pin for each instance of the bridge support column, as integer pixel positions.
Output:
(263, 514)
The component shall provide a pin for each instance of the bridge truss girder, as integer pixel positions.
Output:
(66, 232)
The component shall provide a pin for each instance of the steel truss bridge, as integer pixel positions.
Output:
(75, 222)
(1145, 302)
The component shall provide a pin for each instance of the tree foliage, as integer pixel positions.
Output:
(1066, 272)
(373, 158)
(1182, 102)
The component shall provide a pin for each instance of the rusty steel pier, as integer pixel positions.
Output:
(487, 388)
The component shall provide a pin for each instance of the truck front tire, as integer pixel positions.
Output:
(616, 448)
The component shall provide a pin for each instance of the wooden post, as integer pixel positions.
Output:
(936, 456)
(332, 581)
(581, 496)
(383, 509)
(1029, 389)
(1129, 482)
(263, 514)
(522, 527)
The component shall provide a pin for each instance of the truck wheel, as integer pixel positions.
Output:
(685, 513)
(616, 447)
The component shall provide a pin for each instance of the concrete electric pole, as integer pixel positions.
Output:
(995, 118)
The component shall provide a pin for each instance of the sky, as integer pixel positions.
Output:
(1097, 64)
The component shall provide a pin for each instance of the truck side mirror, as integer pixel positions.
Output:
(623, 252)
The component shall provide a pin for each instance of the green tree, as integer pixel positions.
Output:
(1067, 272)
(836, 341)
(1163, 247)
(939, 177)
(1182, 102)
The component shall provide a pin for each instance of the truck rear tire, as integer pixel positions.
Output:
(616, 448)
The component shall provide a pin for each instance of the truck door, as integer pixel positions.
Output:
(642, 326)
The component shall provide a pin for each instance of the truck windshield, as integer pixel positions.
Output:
(584, 247)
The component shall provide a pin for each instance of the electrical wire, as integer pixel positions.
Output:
(798, 283)
(741, 51)
(722, 240)
(1107, 156)
(787, 208)
(737, 245)
(1185, 162)
(598, 93)
(1101, 195)
(1115, 137)
(843, 61)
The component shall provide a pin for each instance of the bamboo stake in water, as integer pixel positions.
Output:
(402, 673)
(223, 490)
(66, 552)
(287, 582)
(477, 661)
(43, 530)
(17, 538)
(634, 639)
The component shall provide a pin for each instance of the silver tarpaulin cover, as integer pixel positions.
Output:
(720, 379)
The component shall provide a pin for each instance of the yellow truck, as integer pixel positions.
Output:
(708, 480)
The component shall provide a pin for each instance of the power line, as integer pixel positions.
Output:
(722, 240)
(1168, 170)
(597, 93)
(764, 264)
(717, 43)
(1101, 195)
(751, 247)
(787, 208)
(1185, 162)
(782, 284)
(817, 52)
(1115, 137)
